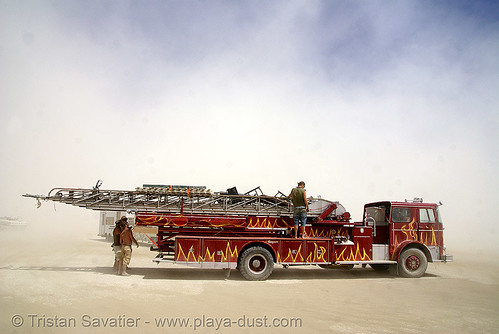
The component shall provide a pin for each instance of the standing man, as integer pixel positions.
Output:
(120, 225)
(126, 239)
(299, 197)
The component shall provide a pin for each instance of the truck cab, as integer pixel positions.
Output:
(409, 233)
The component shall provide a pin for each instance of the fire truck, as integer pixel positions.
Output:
(251, 232)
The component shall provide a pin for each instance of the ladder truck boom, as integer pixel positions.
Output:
(185, 200)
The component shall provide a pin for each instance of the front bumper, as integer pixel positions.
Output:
(447, 258)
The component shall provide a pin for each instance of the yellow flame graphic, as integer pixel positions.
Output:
(226, 255)
(353, 256)
(268, 222)
(316, 254)
(181, 252)
(409, 230)
(294, 258)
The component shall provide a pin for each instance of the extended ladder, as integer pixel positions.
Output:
(185, 200)
(175, 201)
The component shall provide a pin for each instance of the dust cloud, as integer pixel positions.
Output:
(54, 275)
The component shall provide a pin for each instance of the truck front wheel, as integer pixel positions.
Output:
(256, 264)
(412, 263)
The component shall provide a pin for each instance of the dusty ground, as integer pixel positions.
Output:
(49, 280)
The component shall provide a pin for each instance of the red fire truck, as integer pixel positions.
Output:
(251, 232)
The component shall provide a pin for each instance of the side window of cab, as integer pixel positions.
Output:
(426, 216)
(401, 215)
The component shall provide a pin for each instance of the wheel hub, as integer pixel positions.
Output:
(412, 262)
(257, 264)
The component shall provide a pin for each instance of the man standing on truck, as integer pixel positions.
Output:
(126, 239)
(299, 197)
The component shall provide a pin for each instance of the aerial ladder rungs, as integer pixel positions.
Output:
(186, 200)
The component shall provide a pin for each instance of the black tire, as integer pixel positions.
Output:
(256, 264)
(412, 263)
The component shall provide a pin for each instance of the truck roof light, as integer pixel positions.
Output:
(415, 200)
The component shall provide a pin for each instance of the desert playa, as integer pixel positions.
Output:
(62, 282)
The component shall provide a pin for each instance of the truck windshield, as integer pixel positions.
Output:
(439, 219)
(378, 213)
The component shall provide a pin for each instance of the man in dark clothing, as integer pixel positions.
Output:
(299, 197)
(126, 239)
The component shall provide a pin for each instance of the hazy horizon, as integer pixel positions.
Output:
(364, 101)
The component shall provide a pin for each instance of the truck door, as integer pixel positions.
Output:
(431, 230)
(404, 226)
(426, 222)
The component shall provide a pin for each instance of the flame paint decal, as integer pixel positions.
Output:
(290, 257)
(185, 258)
(409, 231)
(318, 254)
(426, 237)
(209, 256)
(358, 255)
(316, 232)
(320, 233)
(222, 221)
(268, 222)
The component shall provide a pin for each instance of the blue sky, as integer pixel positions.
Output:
(364, 101)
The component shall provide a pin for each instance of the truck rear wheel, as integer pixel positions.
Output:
(412, 263)
(256, 264)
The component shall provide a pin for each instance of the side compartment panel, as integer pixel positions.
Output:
(291, 251)
(360, 249)
(307, 251)
(187, 249)
(318, 251)
(216, 250)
